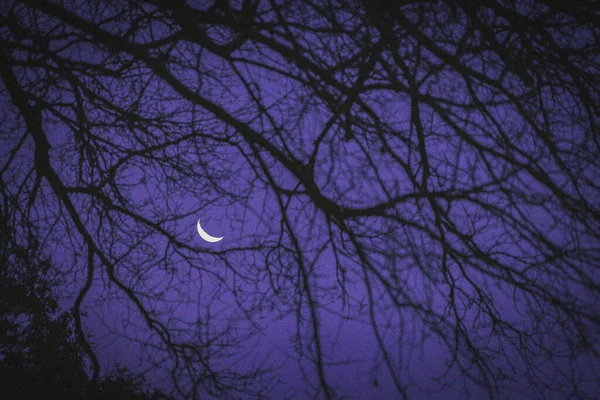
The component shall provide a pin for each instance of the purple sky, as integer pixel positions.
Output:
(406, 212)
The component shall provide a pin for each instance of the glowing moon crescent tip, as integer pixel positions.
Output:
(205, 235)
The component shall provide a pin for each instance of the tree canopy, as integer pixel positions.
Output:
(408, 191)
(40, 356)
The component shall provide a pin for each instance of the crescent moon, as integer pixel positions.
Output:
(206, 236)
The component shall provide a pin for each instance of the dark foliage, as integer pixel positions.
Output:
(40, 357)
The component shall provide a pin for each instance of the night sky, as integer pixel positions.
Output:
(408, 192)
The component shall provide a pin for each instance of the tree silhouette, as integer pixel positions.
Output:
(40, 357)
(421, 175)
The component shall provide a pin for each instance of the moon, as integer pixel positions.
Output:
(206, 236)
